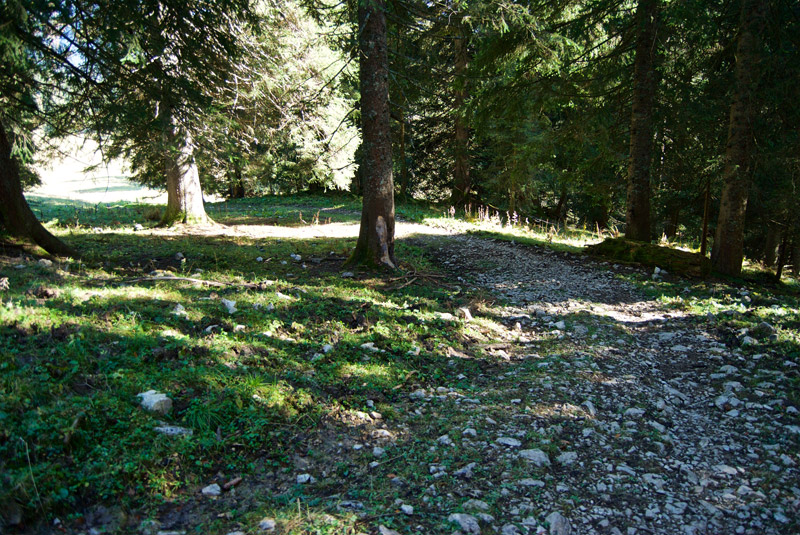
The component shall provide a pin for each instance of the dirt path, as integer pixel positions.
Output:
(655, 422)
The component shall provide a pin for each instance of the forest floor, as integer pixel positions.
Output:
(493, 386)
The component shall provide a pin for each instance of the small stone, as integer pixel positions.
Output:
(466, 471)
(179, 256)
(537, 457)
(348, 275)
(749, 341)
(378, 451)
(229, 305)
(417, 394)
(567, 458)
(634, 413)
(407, 509)
(464, 313)
(510, 442)
(560, 325)
(137, 227)
(528, 482)
(590, 408)
(469, 432)
(468, 523)
(476, 505)
(212, 490)
(383, 530)
(559, 525)
(173, 430)
(179, 310)
(327, 348)
(44, 262)
(302, 479)
(510, 529)
(267, 524)
(445, 440)
(155, 402)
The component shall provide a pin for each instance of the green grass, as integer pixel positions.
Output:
(79, 341)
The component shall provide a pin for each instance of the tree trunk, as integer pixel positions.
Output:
(796, 251)
(236, 189)
(637, 219)
(728, 250)
(783, 256)
(15, 214)
(671, 228)
(404, 160)
(706, 214)
(771, 242)
(184, 194)
(461, 180)
(375, 245)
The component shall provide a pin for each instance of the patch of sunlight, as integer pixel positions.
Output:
(365, 371)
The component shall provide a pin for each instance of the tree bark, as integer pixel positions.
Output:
(637, 219)
(15, 215)
(404, 179)
(462, 183)
(375, 245)
(771, 242)
(728, 250)
(706, 215)
(184, 193)
(671, 227)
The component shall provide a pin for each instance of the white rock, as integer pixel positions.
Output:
(590, 408)
(173, 430)
(634, 413)
(537, 457)
(266, 524)
(348, 275)
(45, 262)
(445, 440)
(327, 348)
(212, 490)
(510, 442)
(179, 310)
(560, 325)
(567, 458)
(510, 529)
(383, 530)
(302, 479)
(407, 509)
(465, 313)
(378, 451)
(229, 305)
(155, 402)
(469, 432)
(476, 505)
(467, 523)
(260, 259)
(528, 482)
(559, 525)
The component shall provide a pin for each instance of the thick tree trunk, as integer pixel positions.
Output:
(637, 219)
(375, 245)
(184, 194)
(728, 251)
(462, 183)
(15, 214)
(237, 189)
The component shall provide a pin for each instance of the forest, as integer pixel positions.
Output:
(489, 266)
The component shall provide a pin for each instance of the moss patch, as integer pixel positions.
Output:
(673, 260)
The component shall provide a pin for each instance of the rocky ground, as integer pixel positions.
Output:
(593, 410)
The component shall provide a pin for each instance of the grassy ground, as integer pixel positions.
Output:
(283, 382)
